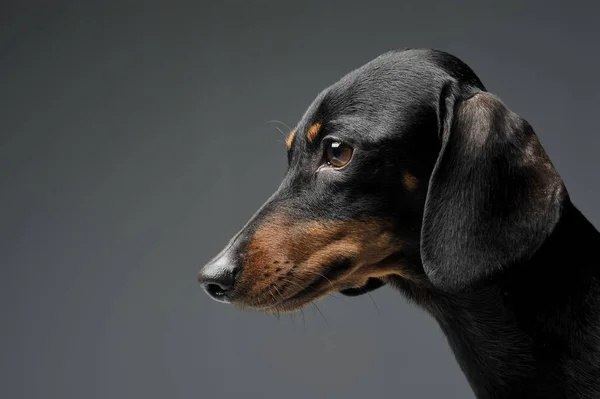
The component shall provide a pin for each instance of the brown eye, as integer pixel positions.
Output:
(338, 154)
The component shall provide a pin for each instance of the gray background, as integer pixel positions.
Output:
(134, 141)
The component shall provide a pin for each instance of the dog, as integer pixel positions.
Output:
(407, 172)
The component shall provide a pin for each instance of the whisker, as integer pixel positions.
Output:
(321, 313)
(276, 121)
(299, 286)
(316, 274)
(276, 289)
(321, 274)
(280, 131)
(273, 296)
(296, 284)
(374, 303)
(331, 294)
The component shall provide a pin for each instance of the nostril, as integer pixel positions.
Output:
(215, 290)
(217, 286)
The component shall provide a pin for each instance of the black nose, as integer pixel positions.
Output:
(218, 278)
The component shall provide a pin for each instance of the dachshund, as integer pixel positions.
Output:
(407, 172)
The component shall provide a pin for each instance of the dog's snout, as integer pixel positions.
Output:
(218, 278)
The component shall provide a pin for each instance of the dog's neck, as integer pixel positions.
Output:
(511, 337)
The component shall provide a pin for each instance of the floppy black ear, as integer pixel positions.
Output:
(493, 196)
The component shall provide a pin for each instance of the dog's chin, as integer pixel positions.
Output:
(289, 305)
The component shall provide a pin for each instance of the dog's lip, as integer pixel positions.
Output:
(312, 292)
(309, 293)
(315, 289)
(331, 276)
(371, 285)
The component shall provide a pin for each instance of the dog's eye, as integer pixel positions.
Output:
(338, 154)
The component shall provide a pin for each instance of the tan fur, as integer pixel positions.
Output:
(410, 182)
(313, 131)
(285, 256)
(290, 140)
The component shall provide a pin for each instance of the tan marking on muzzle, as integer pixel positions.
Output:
(284, 257)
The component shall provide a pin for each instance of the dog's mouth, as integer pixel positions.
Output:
(317, 290)
(337, 277)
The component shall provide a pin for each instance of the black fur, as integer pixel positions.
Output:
(497, 252)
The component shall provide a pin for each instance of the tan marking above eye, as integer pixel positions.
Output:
(338, 154)
(313, 131)
(290, 140)
(410, 182)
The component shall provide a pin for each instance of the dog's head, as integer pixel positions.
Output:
(406, 167)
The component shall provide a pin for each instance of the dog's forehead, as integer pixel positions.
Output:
(387, 91)
(364, 99)
(399, 75)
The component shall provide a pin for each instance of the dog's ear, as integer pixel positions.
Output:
(493, 197)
